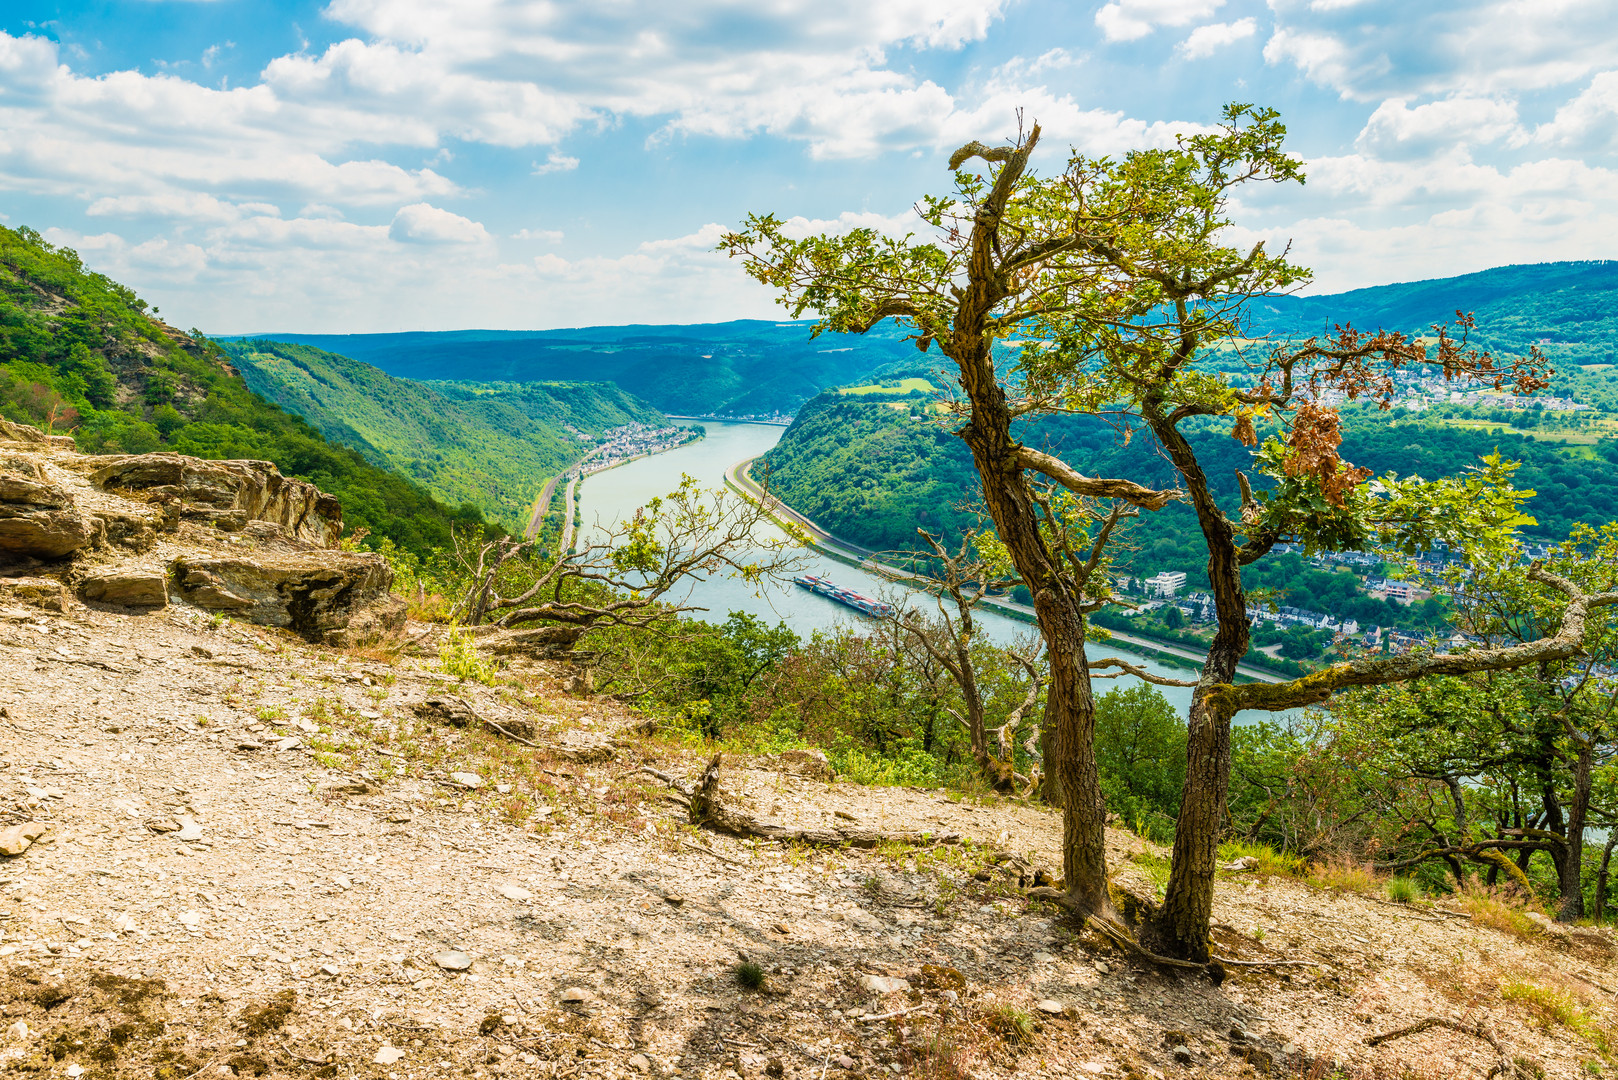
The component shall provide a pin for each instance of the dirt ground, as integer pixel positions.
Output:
(261, 861)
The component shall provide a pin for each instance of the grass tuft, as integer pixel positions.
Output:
(1403, 890)
(1345, 874)
(1497, 909)
(1010, 1024)
(458, 656)
(749, 976)
(1269, 862)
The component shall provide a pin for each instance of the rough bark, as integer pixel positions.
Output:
(1180, 927)
(1602, 878)
(1058, 604)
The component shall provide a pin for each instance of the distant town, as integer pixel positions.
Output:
(1164, 590)
(626, 443)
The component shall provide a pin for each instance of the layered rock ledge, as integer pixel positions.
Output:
(133, 532)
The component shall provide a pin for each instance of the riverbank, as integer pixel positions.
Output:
(738, 478)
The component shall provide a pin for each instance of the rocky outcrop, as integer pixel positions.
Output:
(277, 566)
(229, 494)
(127, 586)
(32, 438)
(46, 594)
(39, 519)
(331, 597)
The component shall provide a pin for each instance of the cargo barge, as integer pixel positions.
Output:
(829, 589)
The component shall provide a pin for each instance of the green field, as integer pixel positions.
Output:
(893, 386)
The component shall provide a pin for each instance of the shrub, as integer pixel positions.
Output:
(458, 656)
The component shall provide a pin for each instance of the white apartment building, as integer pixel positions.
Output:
(1165, 584)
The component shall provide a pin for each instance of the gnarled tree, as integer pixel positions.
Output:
(947, 639)
(1109, 289)
(628, 574)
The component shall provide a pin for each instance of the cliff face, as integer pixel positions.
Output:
(232, 536)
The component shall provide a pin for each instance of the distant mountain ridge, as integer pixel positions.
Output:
(1566, 307)
(747, 367)
(753, 367)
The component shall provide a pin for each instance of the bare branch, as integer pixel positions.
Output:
(1139, 672)
(1377, 671)
(1079, 484)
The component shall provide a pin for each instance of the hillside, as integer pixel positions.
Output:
(490, 445)
(871, 470)
(1567, 308)
(741, 368)
(82, 349)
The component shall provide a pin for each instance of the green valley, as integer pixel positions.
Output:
(492, 445)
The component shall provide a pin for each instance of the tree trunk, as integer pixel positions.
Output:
(1050, 785)
(1070, 702)
(1570, 868)
(1601, 876)
(1180, 927)
(1058, 600)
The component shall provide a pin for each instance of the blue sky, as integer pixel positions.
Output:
(374, 165)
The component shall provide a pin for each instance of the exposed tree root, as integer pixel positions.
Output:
(708, 812)
(514, 737)
(1508, 1064)
(1121, 937)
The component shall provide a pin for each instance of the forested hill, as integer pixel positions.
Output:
(1568, 308)
(872, 468)
(490, 444)
(79, 352)
(742, 368)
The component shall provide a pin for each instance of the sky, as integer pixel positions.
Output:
(382, 165)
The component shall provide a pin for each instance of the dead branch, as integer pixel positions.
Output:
(1137, 671)
(498, 730)
(677, 784)
(707, 811)
(711, 851)
(1006, 734)
(1507, 1064)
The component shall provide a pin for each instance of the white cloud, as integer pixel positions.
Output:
(1395, 130)
(182, 205)
(1374, 49)
(1209, 39)
(1589, 121)
(549, 236)
(421, 223)
(1130, 20)
(556, 163)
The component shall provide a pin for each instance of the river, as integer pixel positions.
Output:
(612, 495)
